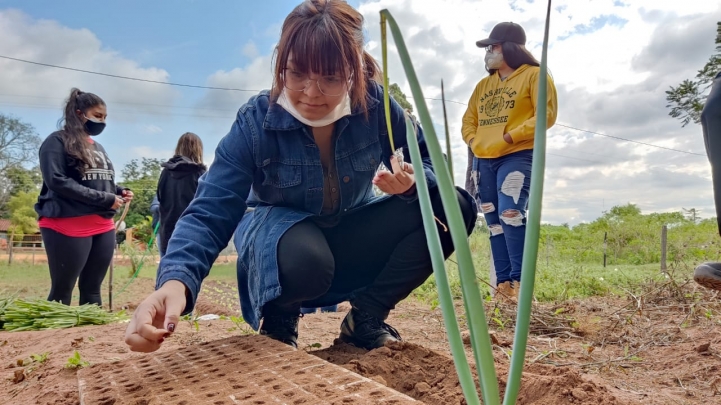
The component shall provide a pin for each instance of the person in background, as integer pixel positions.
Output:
(709, 274)
(309, 150)
(499, 127)
(178, 183)
(155, 213)
(78, 201)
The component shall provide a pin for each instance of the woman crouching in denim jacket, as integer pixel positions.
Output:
(294, 180)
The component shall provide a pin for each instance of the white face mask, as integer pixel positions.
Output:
(494, 60)
(340, 111)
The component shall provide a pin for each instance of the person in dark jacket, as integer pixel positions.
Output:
(155, 212)
(177, 184)
(78, 201)
(709, 274)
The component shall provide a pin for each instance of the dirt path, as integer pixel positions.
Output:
(664, 350)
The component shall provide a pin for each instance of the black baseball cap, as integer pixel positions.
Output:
(504, 32)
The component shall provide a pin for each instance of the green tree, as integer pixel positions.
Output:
(19, 144)
(141, 176)
(688, 98)
(17, 179)
(398, 95)
(23, 218)
(621, 212)
(692, 214)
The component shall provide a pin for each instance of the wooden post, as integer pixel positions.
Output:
(664, 236)
(110, 287)
(10, 247)
(492, 267)
(605, 245)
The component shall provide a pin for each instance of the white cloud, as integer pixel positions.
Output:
(250, 50)
(152, 129)
(49, 42)
(256, 75)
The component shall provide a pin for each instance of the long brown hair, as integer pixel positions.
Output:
(326, 37)
(515, 55)
(73, 131)
(190, 146)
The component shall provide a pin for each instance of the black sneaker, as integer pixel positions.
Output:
(283, 328)
(708, 275)
(366, 331)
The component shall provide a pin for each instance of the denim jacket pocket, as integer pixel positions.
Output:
(367, 158)
(280, 175)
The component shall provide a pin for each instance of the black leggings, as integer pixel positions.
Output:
(376, 257)
(83, 260)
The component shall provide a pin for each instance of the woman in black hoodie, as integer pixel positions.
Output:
(178, 182)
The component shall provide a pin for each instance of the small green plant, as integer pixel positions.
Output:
(313, 346)
(75, 361)
(137, 256)
(498, 318)
(192, 319)
(240, 325)
(40, 358)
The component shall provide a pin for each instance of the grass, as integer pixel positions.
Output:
(556, 281)
(33, 281)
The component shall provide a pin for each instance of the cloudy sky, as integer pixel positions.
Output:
(611, 60)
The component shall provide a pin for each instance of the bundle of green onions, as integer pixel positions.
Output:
(23, 315)
(5, 301)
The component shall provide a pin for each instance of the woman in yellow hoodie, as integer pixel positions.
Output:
(499, 127)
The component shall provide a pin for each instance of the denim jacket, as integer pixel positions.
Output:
(272, 154)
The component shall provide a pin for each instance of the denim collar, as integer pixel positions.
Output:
(278, 119)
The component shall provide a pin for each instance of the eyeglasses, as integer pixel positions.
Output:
(489, 48)
(328, 85)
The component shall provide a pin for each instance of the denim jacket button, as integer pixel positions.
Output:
(346, 179)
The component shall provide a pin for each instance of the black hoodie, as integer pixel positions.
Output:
(176, 188)
(65, 193)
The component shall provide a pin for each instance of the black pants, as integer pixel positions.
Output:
(711, 125)
(81, 260)
(379, 254)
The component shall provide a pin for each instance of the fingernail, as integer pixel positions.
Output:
(166, 335)
(161, 340)
(171, 327)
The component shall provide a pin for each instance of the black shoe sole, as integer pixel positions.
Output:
(288, 342)
(709, 282)
(345, 338)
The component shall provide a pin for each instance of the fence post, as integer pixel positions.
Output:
(664, 239)
(10, 247)
(605, 245)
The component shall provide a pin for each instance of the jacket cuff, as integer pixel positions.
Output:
(109, 199)
(409, 196)
(185, 276)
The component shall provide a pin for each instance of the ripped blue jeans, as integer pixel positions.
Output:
(503, 185)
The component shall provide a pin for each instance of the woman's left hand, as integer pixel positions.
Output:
(398, 182)
(127, 195)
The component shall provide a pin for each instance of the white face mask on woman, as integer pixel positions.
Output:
(340, 111)
(494, 60)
